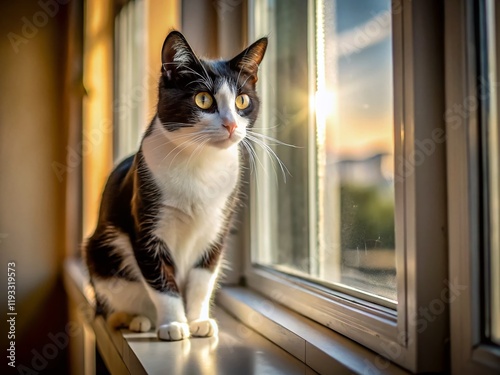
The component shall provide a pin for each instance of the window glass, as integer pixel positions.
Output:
(130, 88)
(327, 91)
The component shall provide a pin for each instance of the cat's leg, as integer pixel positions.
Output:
(127, 304)
(200, 287)
(158, 270)
(117, 281)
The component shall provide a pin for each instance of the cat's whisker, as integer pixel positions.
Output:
(239, 73)
(270, 157)
(245, 81)
(271, 154)
(280, 162)
(197, 81)
(250, 152)
(256, 156)
(253, 155)
(265, 128)
(249, 157)
(266, 147)
(172, 135)
(206, 79)
(269, 138)
(170, 140)
(193, 141)
(176, 122)
(198, 150)
(189, 140)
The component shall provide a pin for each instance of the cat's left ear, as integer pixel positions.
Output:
(176, 55)
(248, 61)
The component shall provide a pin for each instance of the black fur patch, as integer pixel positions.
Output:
(105, 262)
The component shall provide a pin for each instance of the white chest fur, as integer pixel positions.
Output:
(195, 186)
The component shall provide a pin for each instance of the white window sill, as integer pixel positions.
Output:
(318, 347)
(296, 344)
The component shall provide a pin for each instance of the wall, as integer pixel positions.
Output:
(32, 227)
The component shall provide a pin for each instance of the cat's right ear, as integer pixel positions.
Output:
(248, 61)
(176, 55)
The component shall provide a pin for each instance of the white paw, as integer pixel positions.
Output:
(140, 324)
(203, 328)
(173, 331)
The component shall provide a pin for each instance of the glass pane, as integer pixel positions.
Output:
(282, 207)
(130, 88)
(356, 146)
(327, 89)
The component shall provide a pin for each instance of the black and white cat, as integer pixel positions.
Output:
(165, 213)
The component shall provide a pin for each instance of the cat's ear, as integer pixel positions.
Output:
(248, 61)
(176, 55)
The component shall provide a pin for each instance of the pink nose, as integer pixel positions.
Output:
(230, 127)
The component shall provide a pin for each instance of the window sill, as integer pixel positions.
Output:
(318, 347)
(237, 349)
(297, 345)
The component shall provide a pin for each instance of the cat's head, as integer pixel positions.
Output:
(214, 101)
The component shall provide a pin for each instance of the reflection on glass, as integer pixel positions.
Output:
(328, 90)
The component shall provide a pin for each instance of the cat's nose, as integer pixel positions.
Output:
(230, 127)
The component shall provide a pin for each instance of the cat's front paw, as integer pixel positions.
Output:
(173, 331)
(140, 324)
(203, 328)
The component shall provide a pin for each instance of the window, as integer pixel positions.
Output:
(352, 104)
(387, 234)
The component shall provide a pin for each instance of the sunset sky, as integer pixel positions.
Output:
(359, 34)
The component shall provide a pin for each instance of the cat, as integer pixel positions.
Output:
(165, 213)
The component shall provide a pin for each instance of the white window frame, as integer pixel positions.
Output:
(420, 217)
(469, 354)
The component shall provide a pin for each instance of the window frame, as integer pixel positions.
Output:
(391, 335)
(469, 352)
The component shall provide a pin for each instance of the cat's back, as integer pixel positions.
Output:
(117, 195)
(120, 172)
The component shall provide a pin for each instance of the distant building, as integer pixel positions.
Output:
(367, 171)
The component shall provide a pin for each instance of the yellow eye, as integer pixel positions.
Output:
(203, 100)
(242, 101)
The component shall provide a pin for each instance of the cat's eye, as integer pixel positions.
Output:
(203, 100)
(242, 101)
